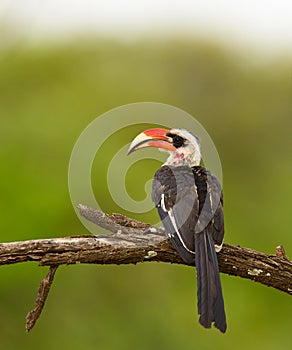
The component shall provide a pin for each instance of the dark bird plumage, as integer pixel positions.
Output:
(190, 204)
(186, 191)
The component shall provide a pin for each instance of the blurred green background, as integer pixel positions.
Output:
(48, 94)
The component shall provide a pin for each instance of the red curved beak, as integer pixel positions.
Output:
(152, 138)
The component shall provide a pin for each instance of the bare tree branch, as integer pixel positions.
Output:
(132, 242)
(43, 293)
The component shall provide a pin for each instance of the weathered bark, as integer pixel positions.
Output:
(132, 242)
(43, 293)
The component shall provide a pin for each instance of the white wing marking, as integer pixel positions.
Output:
(172, 219)
(162, 203)
(218, 247)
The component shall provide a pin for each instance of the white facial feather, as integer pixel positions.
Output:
(189, 154)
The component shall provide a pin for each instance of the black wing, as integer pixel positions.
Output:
(174, 194)
(210, 204)
(189, 203)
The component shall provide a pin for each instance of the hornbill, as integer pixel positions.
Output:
(190, 204)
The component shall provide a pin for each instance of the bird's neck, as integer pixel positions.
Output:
(179, 159)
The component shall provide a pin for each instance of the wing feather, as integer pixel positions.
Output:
(174, 194)
(190, 205)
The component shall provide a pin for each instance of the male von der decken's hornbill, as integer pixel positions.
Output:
(189, 202)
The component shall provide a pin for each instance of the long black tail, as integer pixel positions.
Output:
(210, 298)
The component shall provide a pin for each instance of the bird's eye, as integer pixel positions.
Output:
(177, 141)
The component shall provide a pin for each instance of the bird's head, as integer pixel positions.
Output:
(184, 148)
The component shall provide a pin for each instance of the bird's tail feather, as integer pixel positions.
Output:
(210, 298)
